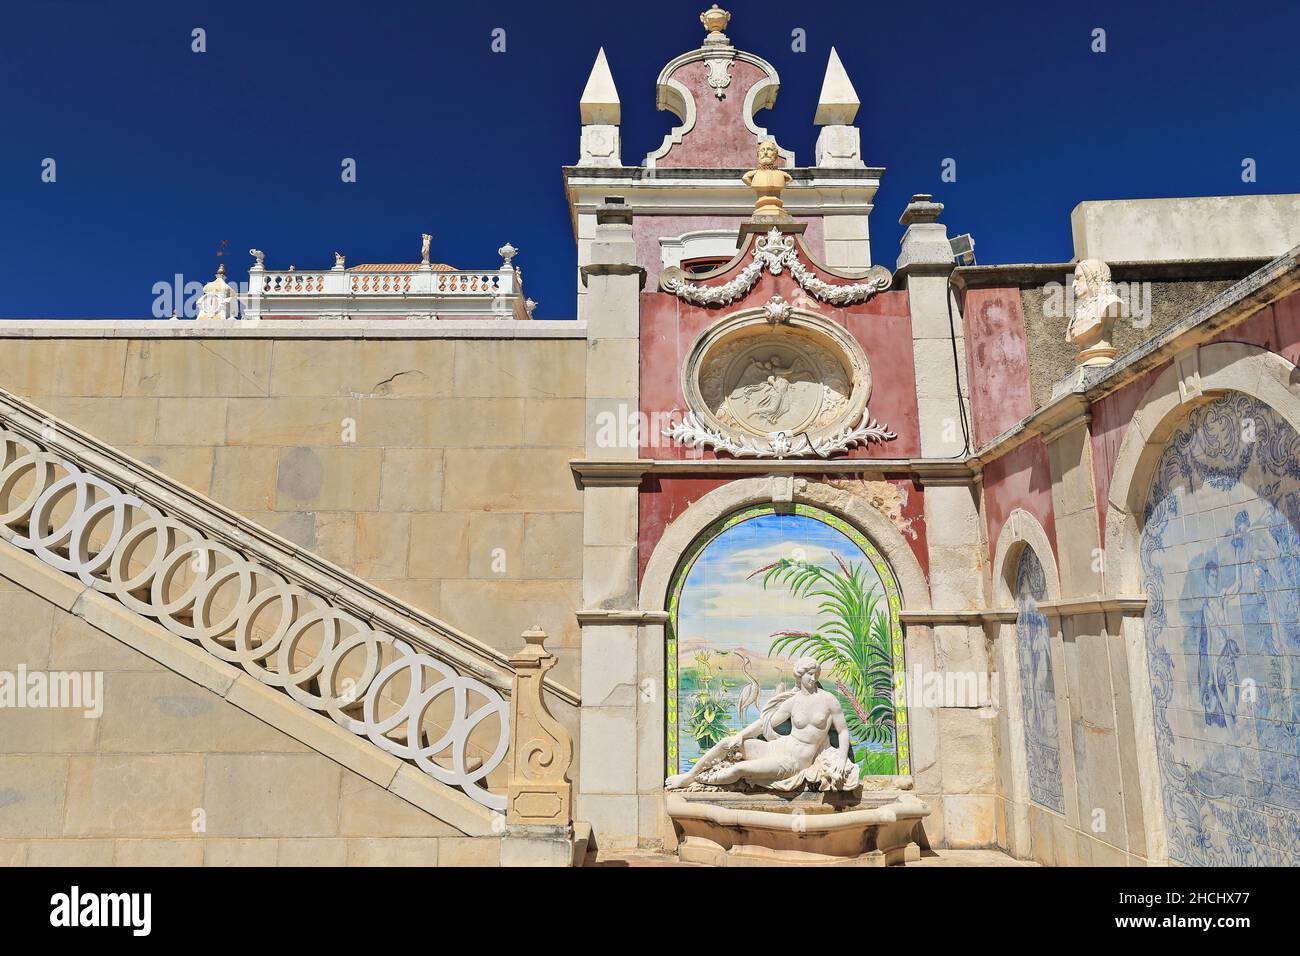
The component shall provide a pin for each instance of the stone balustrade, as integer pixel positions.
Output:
(432, 697)
(415, 291)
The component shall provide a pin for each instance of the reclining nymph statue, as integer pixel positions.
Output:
(760, 756)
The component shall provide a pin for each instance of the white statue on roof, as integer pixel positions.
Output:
(218, 300)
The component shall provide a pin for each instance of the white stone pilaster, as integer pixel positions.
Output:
(608, 778)
(938, 344)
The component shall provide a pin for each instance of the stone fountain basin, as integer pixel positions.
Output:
(863, 828)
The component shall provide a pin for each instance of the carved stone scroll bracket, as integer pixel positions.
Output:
(539, 790)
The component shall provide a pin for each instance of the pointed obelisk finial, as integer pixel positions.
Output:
(599, 105)
(838, 103)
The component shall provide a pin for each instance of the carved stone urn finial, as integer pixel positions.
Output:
(507, 253)
(767, 181)
(715, 20)
(1096, 306)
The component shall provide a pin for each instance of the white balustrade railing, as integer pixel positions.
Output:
(340, 282)
(293, 283)
(378, 682)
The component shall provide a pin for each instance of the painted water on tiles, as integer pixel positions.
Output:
(762, 588)
(1221, 561)
(1037, 687)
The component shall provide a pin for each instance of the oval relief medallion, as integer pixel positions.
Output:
(797, 386)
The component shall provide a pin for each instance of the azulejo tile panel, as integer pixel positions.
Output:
(761, 587)
(1037, 687)
(1220, 557)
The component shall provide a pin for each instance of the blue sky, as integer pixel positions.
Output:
(162, 153)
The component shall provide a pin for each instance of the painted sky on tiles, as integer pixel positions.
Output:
(722, 604)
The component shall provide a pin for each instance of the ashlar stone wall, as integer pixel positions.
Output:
(436, 468)
(172, 774)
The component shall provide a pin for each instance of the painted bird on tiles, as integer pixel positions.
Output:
(749, 693)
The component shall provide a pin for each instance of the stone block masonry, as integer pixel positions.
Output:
(434, 465)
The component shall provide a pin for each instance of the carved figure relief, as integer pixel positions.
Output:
(755, 389)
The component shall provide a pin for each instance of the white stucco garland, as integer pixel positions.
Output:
(776, 253)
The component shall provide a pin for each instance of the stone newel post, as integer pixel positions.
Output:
(539, 801)
(540, 793)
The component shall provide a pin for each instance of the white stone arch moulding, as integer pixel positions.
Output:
(1194, 377)
(1197, 376)
(681, 534)
(1022, 530)
(733, 496)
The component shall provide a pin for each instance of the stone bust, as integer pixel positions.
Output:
(1096, 307)
(760, 756)
(767, 181)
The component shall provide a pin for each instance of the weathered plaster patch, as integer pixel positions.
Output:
(886, 497)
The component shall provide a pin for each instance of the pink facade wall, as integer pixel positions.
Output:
(663, 499)
(1110, 420)
(670, 327)
(1022, 478)
(720, 139)
(997, 361)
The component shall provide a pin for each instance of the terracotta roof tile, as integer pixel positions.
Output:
(400, 267)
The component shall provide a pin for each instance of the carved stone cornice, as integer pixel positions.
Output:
(626, 472)
(612, 269)
(1127, 605)
(597, 617)
(610, 473)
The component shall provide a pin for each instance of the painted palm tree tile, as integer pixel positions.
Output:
(760, 588)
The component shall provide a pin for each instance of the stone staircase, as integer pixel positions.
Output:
(399, 698)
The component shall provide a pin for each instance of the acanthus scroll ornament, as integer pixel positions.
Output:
(777, 310)
(778, 444)
(775, 253)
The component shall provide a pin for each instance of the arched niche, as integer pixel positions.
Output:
(1201, 519)
(762, 586)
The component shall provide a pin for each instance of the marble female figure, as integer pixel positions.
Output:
(760, 756)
